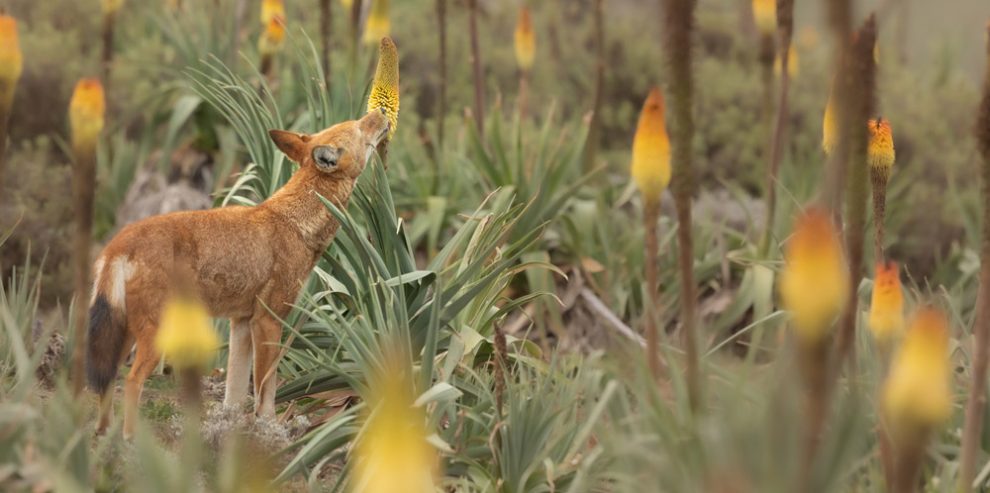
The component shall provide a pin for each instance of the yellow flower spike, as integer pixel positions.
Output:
(185, 334)
(379, 25)
(347, 4)
(829, 126)
(392, 451)
(916, 394)
(86, 112)
(886, 319)
(112, 6)
(270, 9)
(525, 41)
(385, 86)
(271, 39)
(881, 151)
(765, 15)
(792, 63)
(11, 61)
(814, 284)
(651, 149)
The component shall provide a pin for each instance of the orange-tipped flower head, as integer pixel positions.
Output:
(185, 335)
(917, 395)
(271, 9)
(385, 86)
(765, 15)
(651, 149)
(112, 6)
(271, 39)
(392, 451)
(881, 151)
(11, 63)
(887, 304)
(86, 111)
(814, 285)
(525, 40)
(379, 25)
(829, 126)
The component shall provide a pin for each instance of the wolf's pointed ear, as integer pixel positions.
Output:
(291, 143)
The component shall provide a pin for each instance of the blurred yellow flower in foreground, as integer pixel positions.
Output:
(11, 62)
(185, 334)
(86, 111)
(271, 39)
(378, 25)
(829, 129)
(347, 4)
(651, 149)
(525, 41)
(271, 9)
(881, 151)
(887, 304)
(385, 86)
(814, 284)
(392, 452)
(916, 395)
(765, 15)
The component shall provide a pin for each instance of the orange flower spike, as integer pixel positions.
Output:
(271, 40)
(765, 15)
(651, 149)
(886, 319)
(525, 41)
(86, 112)
(814, 284)
(112, 6)
(271, 9)
(917, 394)
(11, 61)
(881, 153)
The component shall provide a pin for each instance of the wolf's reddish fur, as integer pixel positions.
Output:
(245, 263)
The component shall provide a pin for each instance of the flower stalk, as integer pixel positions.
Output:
(679, 24)
(785, 30)
(525, 47)
(595, 126)
(86, 119)
(273, 36)
(858, 90)
(326, 39)
(973, 427)
(442, 62)
(651, 172)
(479, 82)
(379, 25)
(110, 10)
(11, 66)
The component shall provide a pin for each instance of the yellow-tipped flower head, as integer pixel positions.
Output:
(829, 126)
(392, 452)
(881, 151)
(379, 25)
(887, 304)
(916, 395)
(385, 86)
(185, 334)
(86, 111)
(271, 39)
(347, 4)
(271, 9)
(651, 149)
(765, 15)
(112, 6)
(525, 40)
(814, 284)
(11, 62)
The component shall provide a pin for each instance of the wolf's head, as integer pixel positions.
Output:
(340, 151)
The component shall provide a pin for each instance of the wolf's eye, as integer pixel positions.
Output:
(326, 157)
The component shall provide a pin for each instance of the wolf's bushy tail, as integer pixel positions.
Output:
(105, 342)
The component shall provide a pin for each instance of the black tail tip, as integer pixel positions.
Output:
(104, 343)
